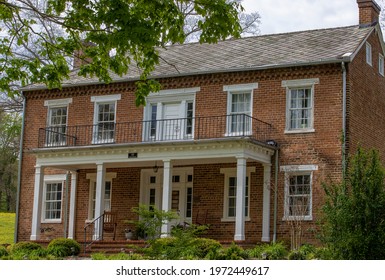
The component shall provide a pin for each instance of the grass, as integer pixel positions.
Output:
(7, 228)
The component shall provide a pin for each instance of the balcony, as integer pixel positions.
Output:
(155, 131)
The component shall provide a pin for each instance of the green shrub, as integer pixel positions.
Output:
(27, 250)
(3, 251)
(273, 251)
(205, 247)
(305, 252)
(63, 247)
(233, 252)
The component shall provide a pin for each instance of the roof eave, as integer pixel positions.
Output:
(217, 71)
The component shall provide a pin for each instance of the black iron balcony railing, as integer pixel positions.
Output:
(198, 128)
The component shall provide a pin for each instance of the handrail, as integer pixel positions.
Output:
(179, 129)
(93, 236)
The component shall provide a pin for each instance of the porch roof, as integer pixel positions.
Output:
(145, 154)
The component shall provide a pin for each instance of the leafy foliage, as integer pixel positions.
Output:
(354, 213)
(27, 250)
(273, 251)
(3, 251)
(120, 35)
(150, 221)
(10, 127)
(63, 247)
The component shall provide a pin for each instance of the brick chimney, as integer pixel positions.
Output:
(80, 57)
(369, 12)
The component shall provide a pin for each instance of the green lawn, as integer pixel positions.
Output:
(7, 228)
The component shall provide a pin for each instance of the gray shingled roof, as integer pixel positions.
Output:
(250, 53)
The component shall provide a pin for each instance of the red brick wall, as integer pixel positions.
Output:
(366, 101)
(322, 148)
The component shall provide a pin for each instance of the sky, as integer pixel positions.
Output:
(279, 16)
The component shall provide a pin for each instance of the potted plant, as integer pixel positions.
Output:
(128, 233)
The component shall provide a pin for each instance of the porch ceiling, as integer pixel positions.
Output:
(145, 155)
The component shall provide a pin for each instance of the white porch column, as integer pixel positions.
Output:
(266, 203)
(71, 226)
(240, 201)
(37, 202)
(166, 196)
(99, 198)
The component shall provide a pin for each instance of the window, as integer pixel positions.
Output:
(56, 131)
(299, 105)
(232, 197)
(239, 108)
(230, 193)
(107, 198)
(52, 198)
(107, 193)
(53, 201)
(298, 192)
(368, 54)
(104, 118)
(381, 64)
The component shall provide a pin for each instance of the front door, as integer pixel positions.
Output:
(181, 193)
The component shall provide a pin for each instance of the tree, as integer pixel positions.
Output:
(354, 212)
(120, 35)
(10, 127)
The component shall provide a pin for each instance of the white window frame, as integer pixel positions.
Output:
(239, 89)
(52, 179)
(298, 170)
(381, 64)
(228, 173)
(92, 178)
(368, 49)
(183, 96)
(55, 104)
(295, 85)
(99, 100)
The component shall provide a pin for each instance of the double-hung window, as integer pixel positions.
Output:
(104, 118)
(53, 198)
(92, 193)
(298, 191)
(239, 108)
(381, 64)
(368, 53)
(300, 105)
(230, 193)
(56, 130)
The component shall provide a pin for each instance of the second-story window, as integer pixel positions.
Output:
(239, 108)
(368, 53)
(104, 118)
(300, 105)
(381, 65)
(56, 130)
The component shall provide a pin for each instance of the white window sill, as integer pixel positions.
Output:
(232, 219)
(296, 131)
(297, 218)
(56, 221)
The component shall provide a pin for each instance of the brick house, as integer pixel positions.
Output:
(265, 113)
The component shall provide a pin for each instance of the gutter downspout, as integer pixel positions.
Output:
(19, 172)
(275, 196)
(343, 119)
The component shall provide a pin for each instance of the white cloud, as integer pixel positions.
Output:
(279, 16)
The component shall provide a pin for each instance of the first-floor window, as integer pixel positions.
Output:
(53, 196)
(107, 198)
(230, 193)
(298, 192)
(232, 197)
